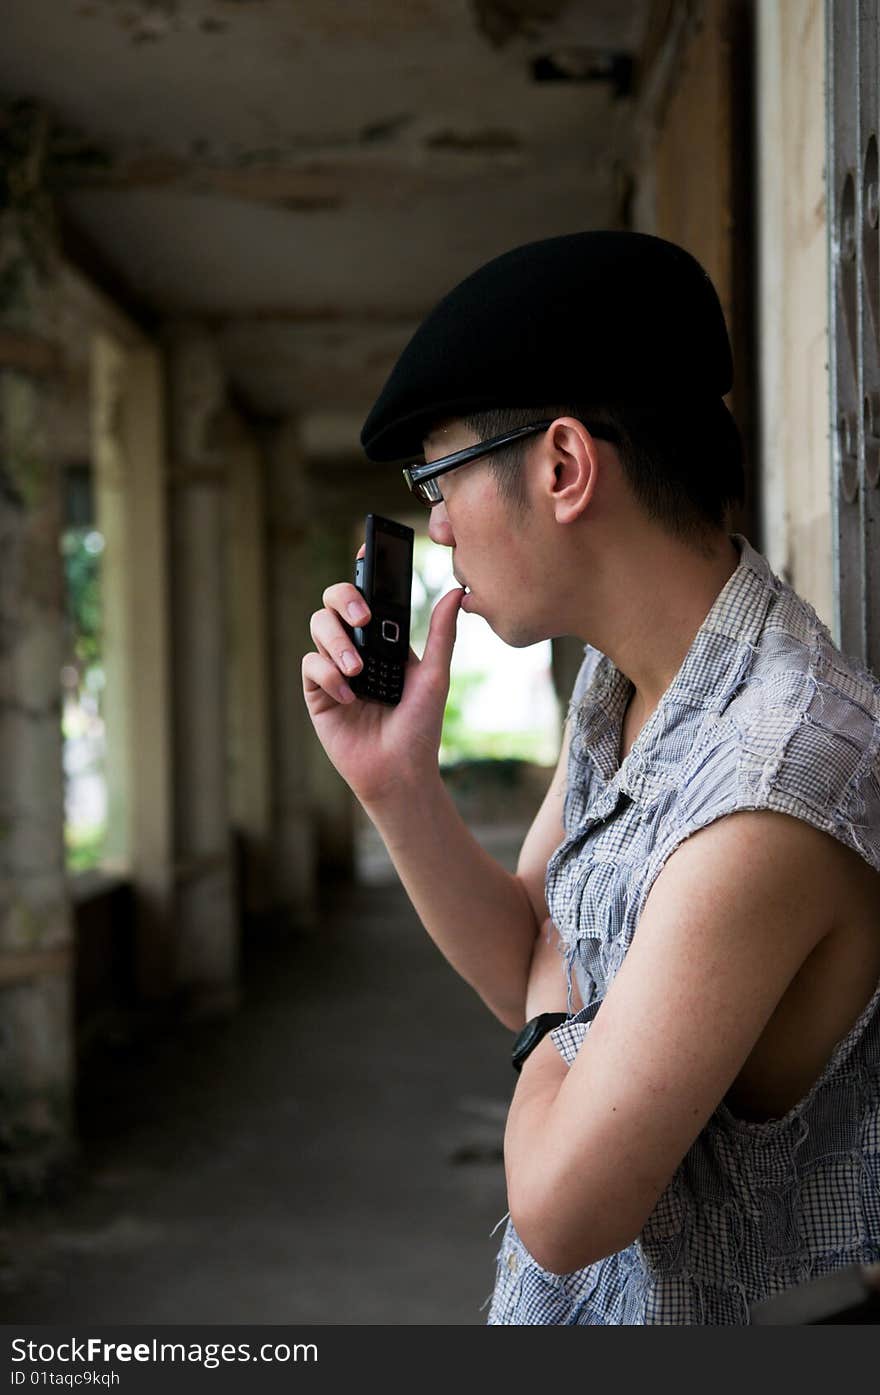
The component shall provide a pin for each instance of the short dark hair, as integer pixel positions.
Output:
(685, 470)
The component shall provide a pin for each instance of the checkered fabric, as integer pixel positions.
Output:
(764, 713)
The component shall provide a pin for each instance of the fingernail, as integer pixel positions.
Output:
(345, 693)
(348, 660)
(357, 611)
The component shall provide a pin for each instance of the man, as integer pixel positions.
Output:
(696, 1122)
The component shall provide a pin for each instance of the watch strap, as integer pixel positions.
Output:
(532, 1033)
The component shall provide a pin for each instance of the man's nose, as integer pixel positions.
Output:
(439, 527)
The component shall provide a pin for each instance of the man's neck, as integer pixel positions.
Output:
(653, 608)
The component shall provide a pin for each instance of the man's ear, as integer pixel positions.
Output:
(571, 468)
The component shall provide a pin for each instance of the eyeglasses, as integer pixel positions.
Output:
(422, 479)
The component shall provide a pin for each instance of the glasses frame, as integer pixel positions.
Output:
(421, 478)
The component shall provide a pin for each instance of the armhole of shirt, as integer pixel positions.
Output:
(774, 801)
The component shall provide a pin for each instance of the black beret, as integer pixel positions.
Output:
(590, 317)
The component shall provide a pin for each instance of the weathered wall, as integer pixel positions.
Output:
(793, 297)
(693, 158)
(693, 175)
(36, 1056)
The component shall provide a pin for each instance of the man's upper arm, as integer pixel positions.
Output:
(731, 917)
(545, 835)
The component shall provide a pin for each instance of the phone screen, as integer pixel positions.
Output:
(391, 576)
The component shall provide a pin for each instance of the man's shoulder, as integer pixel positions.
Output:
(798, 676)
(800, 735)
(794, 639)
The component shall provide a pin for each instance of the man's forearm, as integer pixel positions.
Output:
(478, 914)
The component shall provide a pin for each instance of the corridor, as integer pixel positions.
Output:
(329, 1154)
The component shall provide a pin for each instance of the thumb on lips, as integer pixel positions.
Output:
(441, 632)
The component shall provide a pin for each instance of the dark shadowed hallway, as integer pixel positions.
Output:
(330, 1154)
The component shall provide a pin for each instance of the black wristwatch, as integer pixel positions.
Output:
(534, 1031)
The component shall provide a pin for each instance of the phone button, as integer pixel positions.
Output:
(390, 631)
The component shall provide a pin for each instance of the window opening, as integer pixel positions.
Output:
(502, 704)
(82, 677)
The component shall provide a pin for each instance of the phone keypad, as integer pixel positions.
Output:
(381, 679)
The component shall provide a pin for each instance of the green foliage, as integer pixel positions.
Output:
(461, 742)
(85, 846)
(81, 550)
(82, 572)
(457, 742)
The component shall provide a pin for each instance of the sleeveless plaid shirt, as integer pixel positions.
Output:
(764, 713)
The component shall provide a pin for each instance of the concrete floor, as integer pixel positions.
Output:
(330, 1154)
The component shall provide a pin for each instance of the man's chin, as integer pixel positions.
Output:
(510, 631)
(515, 636)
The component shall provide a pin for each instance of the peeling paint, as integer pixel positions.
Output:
(306, 191)
(26, 469)
(388, 129)
(151, 21)
(27, 225)
(499, 21)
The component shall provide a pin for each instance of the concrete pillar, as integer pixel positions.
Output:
(292, 599)
(128, 455)
(110, 478)
(142, 429)
(36, 1026)
(206, 922)
(250, 757)
(129, 477)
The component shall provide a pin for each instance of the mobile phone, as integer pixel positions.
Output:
(384, 578)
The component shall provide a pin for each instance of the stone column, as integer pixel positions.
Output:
(291, 601)
(249, 730)
(110, 481)
(36, 1018)
(142, 433)
(207, 929)
(128, 454)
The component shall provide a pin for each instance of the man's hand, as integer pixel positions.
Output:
(480, 916)
(376, 749)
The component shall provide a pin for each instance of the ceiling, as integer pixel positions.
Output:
(310, 176)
